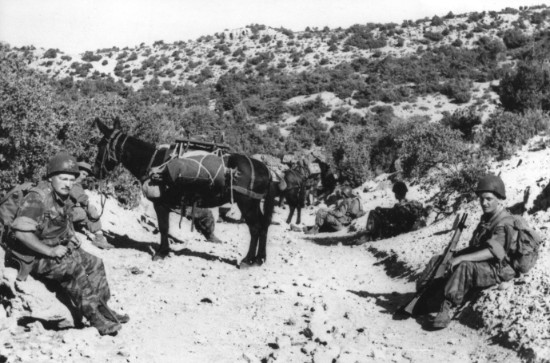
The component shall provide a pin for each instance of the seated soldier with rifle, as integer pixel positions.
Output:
(502, 246)
(42, 240)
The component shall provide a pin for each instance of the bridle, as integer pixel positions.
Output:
(110, 154)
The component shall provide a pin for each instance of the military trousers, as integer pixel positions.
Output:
(468, 275)
(81, 219)
(81, 275)
(326, 221)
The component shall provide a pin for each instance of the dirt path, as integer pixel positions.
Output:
(308, 303)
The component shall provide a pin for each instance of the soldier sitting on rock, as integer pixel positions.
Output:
(405, 216)
(43, 236)
(488, 259)
(85, 215)
(339, 216)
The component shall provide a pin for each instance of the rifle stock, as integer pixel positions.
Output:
(440, 267)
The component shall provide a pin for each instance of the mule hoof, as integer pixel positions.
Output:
(247, 262)
(260, 261)
(160, 255)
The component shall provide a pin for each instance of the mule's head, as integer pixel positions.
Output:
(107, 158)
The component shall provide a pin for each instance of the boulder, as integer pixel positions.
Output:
(31, 300)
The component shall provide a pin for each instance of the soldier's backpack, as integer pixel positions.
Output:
(522, 253)
(9, 204)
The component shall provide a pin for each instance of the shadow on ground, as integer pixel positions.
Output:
(123, 241)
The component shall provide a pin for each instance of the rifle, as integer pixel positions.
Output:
(439, 269)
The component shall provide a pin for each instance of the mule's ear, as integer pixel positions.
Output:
(116, 123)
(101, 126)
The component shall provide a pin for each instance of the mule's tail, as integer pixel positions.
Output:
(269, 203)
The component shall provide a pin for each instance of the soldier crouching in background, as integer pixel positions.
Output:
(85, 215)
(43, 230)
(337, 217)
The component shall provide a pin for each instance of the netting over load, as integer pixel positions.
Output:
(206, 170)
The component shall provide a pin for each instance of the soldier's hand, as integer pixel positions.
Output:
(58, 251)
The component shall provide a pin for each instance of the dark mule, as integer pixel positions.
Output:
(247, 182)
(298, 183)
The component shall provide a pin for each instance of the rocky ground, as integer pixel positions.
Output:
(315, 300)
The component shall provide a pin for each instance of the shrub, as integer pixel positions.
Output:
(105, 62)
(91, 57)
(458, 90)
(504, 132)
(428, 145)
(363, 38)
(463, 120)
(433, 36)
(436, 21)
(528, 87)
(514, 38)
(51, 53)
(349, 149)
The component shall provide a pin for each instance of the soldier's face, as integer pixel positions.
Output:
(489, 202)
(62, 183)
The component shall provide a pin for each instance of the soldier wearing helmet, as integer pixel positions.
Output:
(338, 216)
(484, 262)
(44, 231)
(85, 215)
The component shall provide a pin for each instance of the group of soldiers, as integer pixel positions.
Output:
(44, 231)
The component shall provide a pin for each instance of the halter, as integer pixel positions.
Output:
(110, 153)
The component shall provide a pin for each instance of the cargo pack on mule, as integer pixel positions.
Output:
(207, 181)
(9, 205)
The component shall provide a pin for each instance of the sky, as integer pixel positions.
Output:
(74, 26)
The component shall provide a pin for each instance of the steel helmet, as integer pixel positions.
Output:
(491, 183)
(62, 163)
(82, 165)
(347, 192)
(400, 188)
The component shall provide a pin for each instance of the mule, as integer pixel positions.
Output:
(248, 182)
(298, 181)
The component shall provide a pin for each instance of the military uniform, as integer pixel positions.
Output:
(83, 213)
(80, 274)
(203, 221)
(489, 234)
(341, 216)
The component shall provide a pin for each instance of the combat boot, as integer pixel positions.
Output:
(213, 239)
(312, 230)
(103, 325)
(100, 241)
(443, 318)
(112, 315)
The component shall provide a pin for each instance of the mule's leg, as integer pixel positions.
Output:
(163, 219)
(290, 214)
(250, 210)
(298, 215)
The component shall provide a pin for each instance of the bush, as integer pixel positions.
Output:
(428, 145)
(51, 53)
(526, 88)
(514, 38)
(90, 57)
(433, 36)
(349, 149)
(463, 120)
(458, 90)
(504, 132)
(363, 38)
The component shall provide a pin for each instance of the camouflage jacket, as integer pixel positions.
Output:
(46, 215)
